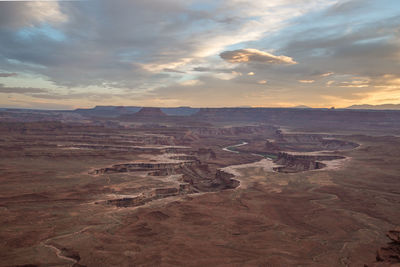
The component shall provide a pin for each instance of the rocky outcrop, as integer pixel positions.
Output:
(151, 195)
(128, 201)
(389, 255)
(307, 142)
(204, 154)
(271, 147)
(145, 166)
(226, 179)
(190, 136)
(196, 177)
(184, 157)
(297, 163)
(203, 179)
(70, 253)
(394, 235)
(232, 131)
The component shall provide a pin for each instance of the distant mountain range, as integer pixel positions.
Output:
(376, 107)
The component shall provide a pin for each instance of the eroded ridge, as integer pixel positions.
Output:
(296, 152)
(190, 174)
(390, 254)
(193, 176)
(296, 163)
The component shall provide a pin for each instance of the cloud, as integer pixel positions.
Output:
(227, 75)
(347, 7)
(216, 70)
(17, 14)
(190, 83)
(370, 48)
(354, 85)
(175, 41)
(329, 83)
(167, 36)
(250, 55)
(2, 75)
(327, 74)
(202, 69)
(387, 82)
(20, 90)
(172, 70)
(306, 81)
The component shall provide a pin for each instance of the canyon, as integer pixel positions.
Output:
(126, 186)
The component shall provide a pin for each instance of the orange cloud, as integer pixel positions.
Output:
(254, 55)
(327, 74)
(306, 81)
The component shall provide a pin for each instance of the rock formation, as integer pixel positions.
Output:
(134, 167)
(296, 163)
(150, 112)
(195, 177)
(389, 255)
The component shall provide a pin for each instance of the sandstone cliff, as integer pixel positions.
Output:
(390, 254)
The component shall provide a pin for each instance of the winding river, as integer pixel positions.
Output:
(232, 148)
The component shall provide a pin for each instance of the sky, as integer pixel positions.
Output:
(208, 53)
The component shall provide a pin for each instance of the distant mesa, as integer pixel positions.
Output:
(146, 115)
(301, 106)
(108, 111)
(376, 107)
(244, 106)
(115, 111)
(150, 112)
(180, 111)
